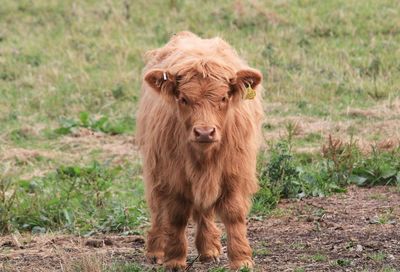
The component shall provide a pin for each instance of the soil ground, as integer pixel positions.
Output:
(356, 231)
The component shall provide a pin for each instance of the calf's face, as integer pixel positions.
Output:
(203, 104)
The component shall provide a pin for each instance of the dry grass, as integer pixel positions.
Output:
(377, 126)
(85, 263)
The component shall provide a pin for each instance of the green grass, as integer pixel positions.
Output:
(319, 257)
(378, 256)
(342, 262)
(95, 263)
(218, 269)
(82, 200)
(223, 269)
(59, 59)
(69, 69)
(261, 252)
(388, 269)
(130, 267)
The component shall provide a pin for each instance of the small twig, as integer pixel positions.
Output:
(191, 263)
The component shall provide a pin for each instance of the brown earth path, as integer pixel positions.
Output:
(356, 231)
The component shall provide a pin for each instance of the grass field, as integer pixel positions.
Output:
(70, 75)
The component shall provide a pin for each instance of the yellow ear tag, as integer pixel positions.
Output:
(250, 93)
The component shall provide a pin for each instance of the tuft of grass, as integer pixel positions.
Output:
(342, 262)
(377, 256)
(386, 217)
(245, 269)
(262, 252)
(319, 257)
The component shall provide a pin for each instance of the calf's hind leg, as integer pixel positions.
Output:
(207, 236)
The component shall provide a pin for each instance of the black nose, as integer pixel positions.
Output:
(204, 134)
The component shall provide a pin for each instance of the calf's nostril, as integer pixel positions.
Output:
(196, 132)
(212, 133)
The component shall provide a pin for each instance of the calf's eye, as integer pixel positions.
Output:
(183, 101)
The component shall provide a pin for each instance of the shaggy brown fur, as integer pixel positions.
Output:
(195, 86)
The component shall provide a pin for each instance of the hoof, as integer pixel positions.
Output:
(246, 263)
(211, 255)
(155, 258)
(175, 265)
(209, 259)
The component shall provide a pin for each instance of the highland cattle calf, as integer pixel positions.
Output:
(198, 129)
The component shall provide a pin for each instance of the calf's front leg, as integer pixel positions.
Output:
(207, 236)
(155, 239)
(178, 212)
(232, 209)
(156, 236)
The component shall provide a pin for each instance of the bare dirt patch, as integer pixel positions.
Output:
(355, 231)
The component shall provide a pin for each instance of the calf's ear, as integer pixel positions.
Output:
(161, 81)
(244, 79)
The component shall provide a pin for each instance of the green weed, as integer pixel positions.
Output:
(102, 124)
(288, 175)
(282, 170)
(380, 168)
